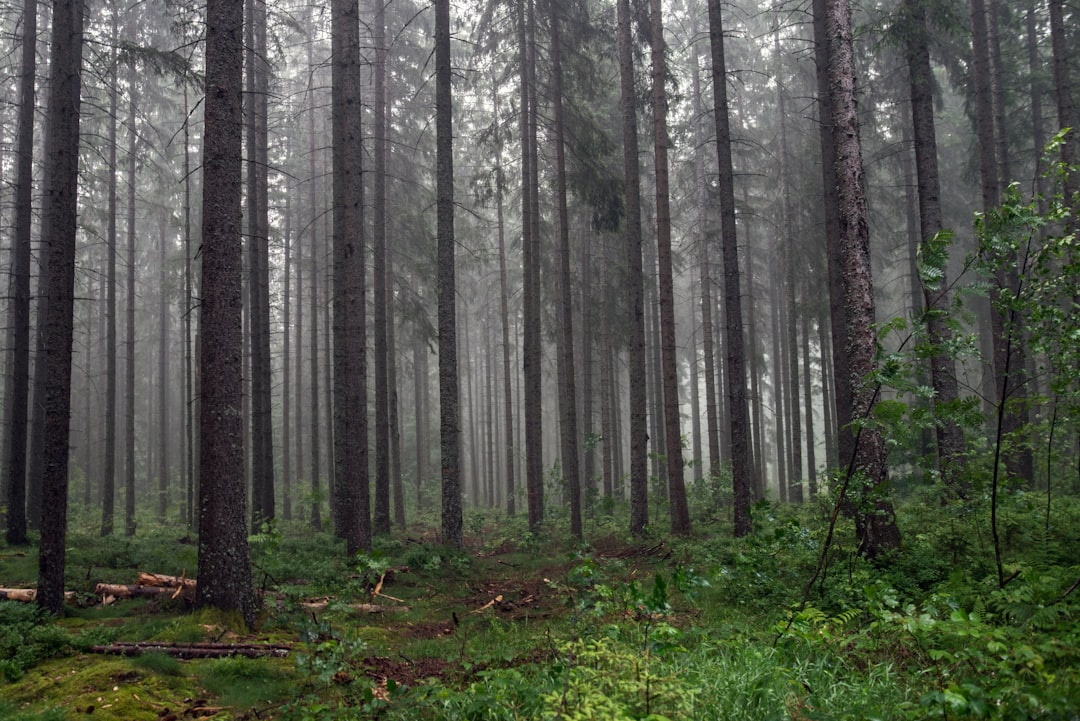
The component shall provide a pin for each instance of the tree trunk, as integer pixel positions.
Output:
(262, 431)
(108, 476)
(504, 312)
(129, 339)
(568, 425)
(530, 244)
(743, 473)
(950, 437)
(381, 307)
(59, 222)
(837, 322)
(639, 435)
(351, 492)
(224, 566)
(875, 521)
(449, 413)
(163, 371)
(16, 402)
(680, 512)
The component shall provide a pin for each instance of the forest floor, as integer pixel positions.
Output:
(524, 626)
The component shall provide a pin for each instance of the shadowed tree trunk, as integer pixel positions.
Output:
(351, 492)
(59, 224)
(568, 427)
(680, 512)
(224, 560)
(129, 339)
(449, 413)
(950, 437)
(743, 473)
(381, 304)
(16, 400)
(639, 434)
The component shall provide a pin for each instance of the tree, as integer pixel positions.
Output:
(639, 434)
(224, 559)
(17, 397)
(742, 468)
(568, 426)
(875, 521)
(59, 223)
(379, 284)
(950, 437)
(258, 282)
(449, 414)
(680, 512)
(351, 493)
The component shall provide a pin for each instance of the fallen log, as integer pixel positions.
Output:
(158, 579)
(27, 595)
(321, 604)
(194, 650)
(119, 590)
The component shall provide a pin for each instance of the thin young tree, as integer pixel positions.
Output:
(59, 224)
(224, 558)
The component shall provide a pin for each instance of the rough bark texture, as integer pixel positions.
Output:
(680, 511)
(224, 559)
(875, 521)
(449, 413)
(17, 397)
(381, 305)
(58, 230)
(639, 434)
(568, 426)
(351, 493)
(743, 472)
(837, 322)
(950, 437)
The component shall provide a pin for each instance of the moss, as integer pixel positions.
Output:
(108, 687)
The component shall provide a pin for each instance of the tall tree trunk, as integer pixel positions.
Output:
(108, 478)
(190, 396)
(262, 432)
(837, 322)
(224, 565)
(449, 413)
(352, 493)
(379, 282)
(313, 224)
(163, 371)
(950, 437)
(743, 473)
(286, 365)
(639, 435)
(680, 512)
(504, 312)
(129, 339)
(808, 407)
(1063, 90)
(532, 350)
(568, 422)
(59, 222)
(17, 400)
(876, 523)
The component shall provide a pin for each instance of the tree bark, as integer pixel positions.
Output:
(639, 435)
(381, 303)
(743, 472)
(449, 412)
(351, 493)
(17, 400)
(875, 521)
(59, 223)
(224, 561)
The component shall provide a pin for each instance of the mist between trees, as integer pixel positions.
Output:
(363, 264)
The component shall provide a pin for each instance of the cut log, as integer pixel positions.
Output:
(158, 579)
(194, 650)
(28, 595)
(119, 590)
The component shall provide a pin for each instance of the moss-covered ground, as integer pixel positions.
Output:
(524, 625)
